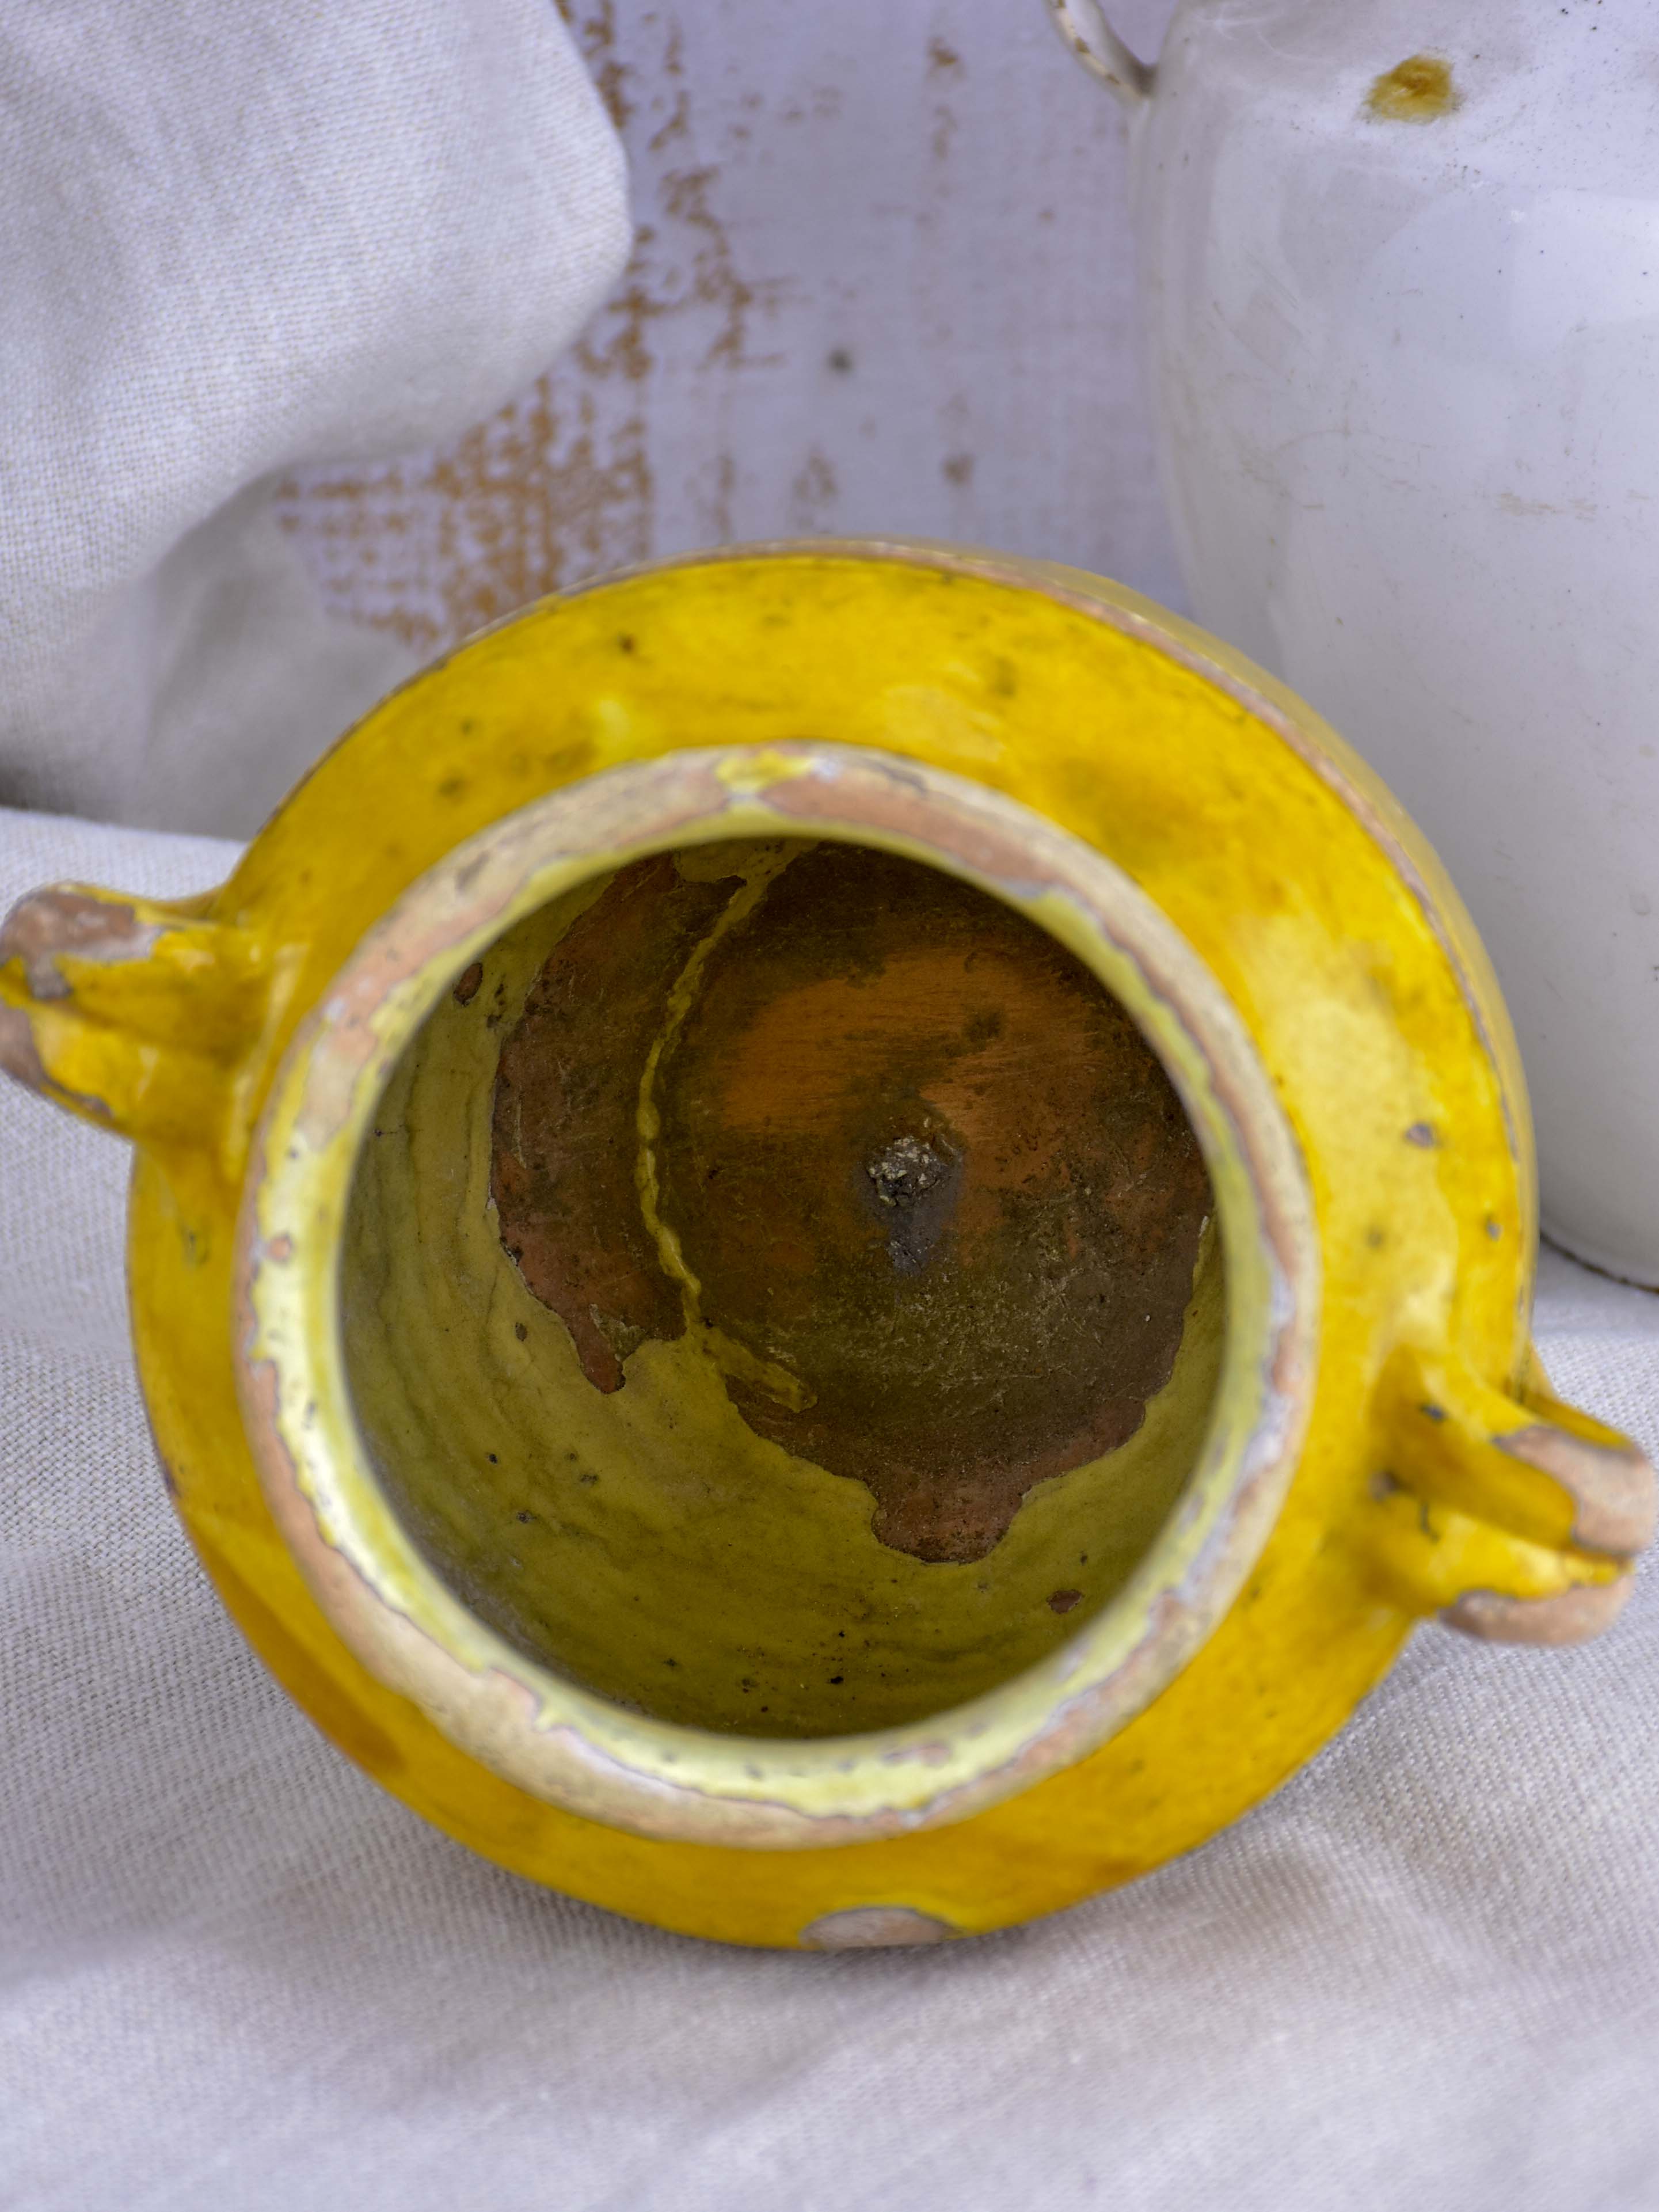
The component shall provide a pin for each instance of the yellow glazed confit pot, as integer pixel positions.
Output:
(829, 1244)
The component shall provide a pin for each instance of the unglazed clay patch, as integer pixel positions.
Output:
(910, 1175)
(875, 1928)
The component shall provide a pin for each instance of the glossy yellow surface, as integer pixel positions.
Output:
(418, 1614)
(661, 1550)
(1319, 913)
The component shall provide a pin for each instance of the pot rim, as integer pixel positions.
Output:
(564, 1744)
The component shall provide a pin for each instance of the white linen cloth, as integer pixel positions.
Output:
(237, 236)
(236, 1978)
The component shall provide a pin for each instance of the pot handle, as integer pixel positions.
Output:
(140, 1017)
(1083, 25)
(1517, 1518)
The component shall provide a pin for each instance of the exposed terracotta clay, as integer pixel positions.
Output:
(875, 1928)
(62, 920)
(931, 1196)
(566, 1099)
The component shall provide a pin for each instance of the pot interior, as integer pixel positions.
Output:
(781, 1290)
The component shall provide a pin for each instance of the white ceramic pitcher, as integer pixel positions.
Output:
(1400, 265)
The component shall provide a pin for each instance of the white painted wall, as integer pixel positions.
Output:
(882, 283)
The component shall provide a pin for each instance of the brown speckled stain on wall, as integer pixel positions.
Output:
(813, 494)
(944, 68)
(437, 548)
(560, 485)
(594, 30)
(888, 239)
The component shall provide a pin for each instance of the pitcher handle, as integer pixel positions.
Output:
(1083, 25)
